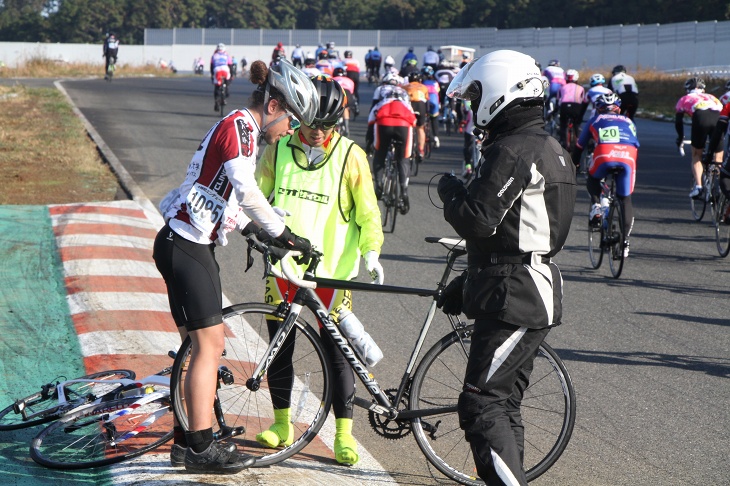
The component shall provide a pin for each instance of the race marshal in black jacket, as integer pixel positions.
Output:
(514, 217)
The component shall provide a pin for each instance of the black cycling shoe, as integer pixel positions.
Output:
(217, 459)
(177, 455)
(404, 205)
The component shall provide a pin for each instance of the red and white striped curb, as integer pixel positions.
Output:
(119, 308)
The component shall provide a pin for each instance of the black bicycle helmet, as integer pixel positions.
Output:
(332, 99)
(694, 83)
(618, 69)
(348, 54)
(415, 77)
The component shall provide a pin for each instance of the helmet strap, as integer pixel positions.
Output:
(265, 126)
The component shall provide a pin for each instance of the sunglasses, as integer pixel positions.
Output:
(322, 126)
(294, 122)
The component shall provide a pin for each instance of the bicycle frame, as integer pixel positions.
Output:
(306, 297)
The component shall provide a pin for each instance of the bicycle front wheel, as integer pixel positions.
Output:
(42, 407)
(303, 383)
(616, 238)
(87, 438)
(722, 225)
(548, 410)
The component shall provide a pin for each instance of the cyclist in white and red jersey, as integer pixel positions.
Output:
(220, 69)
(725, 99)
(392, 118)
(571, 96)
(625, 87)
(704, 110)
(220, 195)
(352, 70)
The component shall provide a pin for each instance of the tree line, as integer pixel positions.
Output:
(86, 21)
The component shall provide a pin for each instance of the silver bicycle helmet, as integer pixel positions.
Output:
(297, 88)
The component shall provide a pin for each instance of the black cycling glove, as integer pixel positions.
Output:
(449, 186)
(451, 299)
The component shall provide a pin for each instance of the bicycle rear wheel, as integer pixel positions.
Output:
(388, 202)
(722, 225)
(595, 250)
(42, 407)
(242, 413)
(87, 438)
(548, 409)
(616, 238)
(222, 99)
(699, 204)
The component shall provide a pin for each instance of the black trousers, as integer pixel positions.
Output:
(497, 374)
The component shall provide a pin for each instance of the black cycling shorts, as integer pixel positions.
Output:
(192, 276)
(703, 124)
(420, 108)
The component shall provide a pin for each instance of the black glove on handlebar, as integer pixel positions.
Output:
(290, 241)
(451, 299)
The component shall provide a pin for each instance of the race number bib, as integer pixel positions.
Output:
(609, 135)
(205, 207)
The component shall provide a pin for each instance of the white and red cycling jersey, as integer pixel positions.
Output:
(352, 65)
(220, 192)
(725, 99)
(697, 100)
(571, 93)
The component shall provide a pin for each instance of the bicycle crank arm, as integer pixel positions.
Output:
(372, 406)
(425, 412)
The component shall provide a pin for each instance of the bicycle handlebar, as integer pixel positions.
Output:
(681, 146)
(284, 256)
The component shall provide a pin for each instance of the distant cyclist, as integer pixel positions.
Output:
(324, 64)
(352, 71)
(418, 94)
(111, 50)
(392, 118)
(570, 99)
(277, 53)
(220, 69)
(389, 65)
(616, 148)
(721, 128)
(376, 60)
(597, 89)
(434, 103)
(310, 65)
(348, 86)
(704, 110)
(407, 57)
(625, 87)
(297, 56)
(431, 58)
(556, 78)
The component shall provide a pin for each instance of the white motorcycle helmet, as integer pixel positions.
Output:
(495, 80)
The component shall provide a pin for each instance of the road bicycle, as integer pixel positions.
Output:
(571, 135)
(389, 201)
(220, 96)
(110, 69)
(721, 221)
(427, 146)
(710, 181)
(610, 235)
(552, 125)
(292, 365)
(95, 420)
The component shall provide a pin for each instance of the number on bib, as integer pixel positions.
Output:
(609, 135)
(205, 207)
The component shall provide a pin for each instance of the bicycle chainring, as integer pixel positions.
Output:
(392, 429)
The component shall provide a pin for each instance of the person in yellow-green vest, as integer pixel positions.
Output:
(323, 181)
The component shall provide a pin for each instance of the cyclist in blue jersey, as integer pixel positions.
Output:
(597, 89)
(616, 147)
(408, 56)
(434, 104)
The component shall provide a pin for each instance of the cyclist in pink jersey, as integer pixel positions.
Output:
(704, 110)
(348, 86)
(571, 97)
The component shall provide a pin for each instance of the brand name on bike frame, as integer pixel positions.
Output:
(303, 194)
(504, 187)
(341, 342)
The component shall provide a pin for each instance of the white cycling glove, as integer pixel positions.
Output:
(281, 213)
(373, 266)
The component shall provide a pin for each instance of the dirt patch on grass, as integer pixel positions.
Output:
(46, 156)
